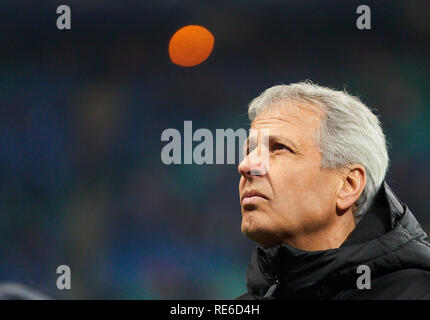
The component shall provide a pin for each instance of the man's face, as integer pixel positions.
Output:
(294, 196)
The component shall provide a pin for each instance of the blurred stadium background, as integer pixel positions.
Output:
(82, 111)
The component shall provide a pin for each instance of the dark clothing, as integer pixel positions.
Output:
(388, 240)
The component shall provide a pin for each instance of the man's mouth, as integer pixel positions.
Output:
(252, 196)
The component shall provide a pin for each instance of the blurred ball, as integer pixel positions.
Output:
(191, 45)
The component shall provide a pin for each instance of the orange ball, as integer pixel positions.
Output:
(190, 46)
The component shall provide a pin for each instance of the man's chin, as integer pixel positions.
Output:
(256, 231)
(249, 224)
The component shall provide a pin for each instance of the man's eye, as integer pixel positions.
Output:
(280, 146)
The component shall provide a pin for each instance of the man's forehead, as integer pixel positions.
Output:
(288, 116)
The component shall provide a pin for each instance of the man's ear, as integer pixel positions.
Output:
(351, 187)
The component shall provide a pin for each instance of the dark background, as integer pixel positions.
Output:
(82, 111)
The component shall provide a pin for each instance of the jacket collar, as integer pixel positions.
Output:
(387, 227)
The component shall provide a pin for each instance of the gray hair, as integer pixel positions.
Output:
(349, 133)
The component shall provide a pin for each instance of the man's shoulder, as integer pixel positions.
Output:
(410, 276)
(405, 284)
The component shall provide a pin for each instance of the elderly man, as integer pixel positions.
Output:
(327, 224)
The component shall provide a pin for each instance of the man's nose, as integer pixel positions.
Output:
(253, 165)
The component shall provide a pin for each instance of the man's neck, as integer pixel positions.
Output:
(330, 237)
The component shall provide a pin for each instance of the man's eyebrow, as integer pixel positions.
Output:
(275, 137)
(280, 138)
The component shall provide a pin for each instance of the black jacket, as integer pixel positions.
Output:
(389, 240)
